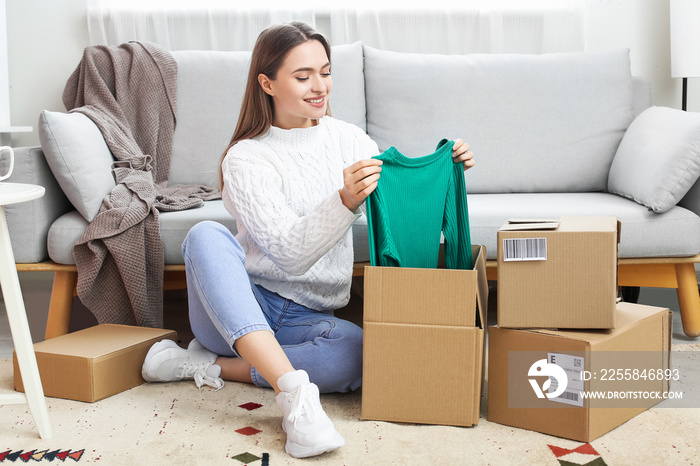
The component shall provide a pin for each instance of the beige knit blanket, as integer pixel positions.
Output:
(129, 92)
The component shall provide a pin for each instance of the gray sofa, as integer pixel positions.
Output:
(557, 134)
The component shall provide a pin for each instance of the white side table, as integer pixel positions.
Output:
(13, 193)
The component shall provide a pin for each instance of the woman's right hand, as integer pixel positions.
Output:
(359, 179)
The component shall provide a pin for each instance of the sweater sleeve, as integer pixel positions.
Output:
(455, 226)
(253, 194)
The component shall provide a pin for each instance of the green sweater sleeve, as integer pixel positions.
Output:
(455, 223)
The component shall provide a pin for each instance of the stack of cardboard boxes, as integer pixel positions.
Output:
(557, 283)
(560, 332)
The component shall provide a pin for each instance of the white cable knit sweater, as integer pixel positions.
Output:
(282, 189)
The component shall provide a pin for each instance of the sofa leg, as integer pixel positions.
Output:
(61, 304)
(688, 298)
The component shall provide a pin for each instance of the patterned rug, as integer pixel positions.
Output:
(175, 423)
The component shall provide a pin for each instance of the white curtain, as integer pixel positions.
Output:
(184, 25)
(476, 26)
(468, 29)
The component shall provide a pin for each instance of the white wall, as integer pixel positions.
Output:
(46, 40)
(643, 27)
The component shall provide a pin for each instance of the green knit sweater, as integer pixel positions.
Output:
(415, 200)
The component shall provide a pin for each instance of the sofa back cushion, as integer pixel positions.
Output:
(210, 88)
(536, 123)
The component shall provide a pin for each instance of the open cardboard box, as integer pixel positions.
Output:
(558, 273)
(424, 332)
(641, 342)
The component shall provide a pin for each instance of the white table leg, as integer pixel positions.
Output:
(21, 336)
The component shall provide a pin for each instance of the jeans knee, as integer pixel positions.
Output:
(210, 234)
(348, 375)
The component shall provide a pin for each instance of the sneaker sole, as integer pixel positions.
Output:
(299, 451)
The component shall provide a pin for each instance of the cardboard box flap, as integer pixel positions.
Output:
(619, 230)
(397, 294)
(589, 223)
(97, 341)
(523, 224)
(482, 290)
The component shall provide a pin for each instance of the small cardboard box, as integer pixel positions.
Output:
(424, 343)
(597, 362)
(558, 274)
(94, 363)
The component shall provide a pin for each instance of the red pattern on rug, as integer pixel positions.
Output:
(43, 455)
(585, 449)
(250, 406)
(248, 431)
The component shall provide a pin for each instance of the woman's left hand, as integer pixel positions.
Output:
(461, 153)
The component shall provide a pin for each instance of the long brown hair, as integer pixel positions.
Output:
(271, 48)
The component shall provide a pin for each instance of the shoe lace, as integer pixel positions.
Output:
(199, 374)
(301, 404)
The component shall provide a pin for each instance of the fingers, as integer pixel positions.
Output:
(368, 189)
(460, 147)
(461, 153)
(363, 186)
(359, 180)
(360, 175)
(364, 164)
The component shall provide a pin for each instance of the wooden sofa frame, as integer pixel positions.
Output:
(674, 272)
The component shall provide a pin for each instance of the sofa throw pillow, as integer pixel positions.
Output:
(79, 159)
(658, 159)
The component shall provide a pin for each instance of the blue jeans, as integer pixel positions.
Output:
(224, 304)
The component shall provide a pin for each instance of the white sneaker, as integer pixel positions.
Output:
(309, 430)
(167, 362)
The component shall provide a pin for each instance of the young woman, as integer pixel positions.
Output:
(261, 303)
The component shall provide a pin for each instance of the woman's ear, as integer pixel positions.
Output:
(266, 84)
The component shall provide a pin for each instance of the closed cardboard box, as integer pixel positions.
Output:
(558, 274)
(621, 370)
(424, 343)
(94, 363)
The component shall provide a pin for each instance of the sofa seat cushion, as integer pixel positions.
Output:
(644, 233)
(679, 227)
(174, 226)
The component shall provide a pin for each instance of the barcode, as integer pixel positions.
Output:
(525, 249)
(569, 396)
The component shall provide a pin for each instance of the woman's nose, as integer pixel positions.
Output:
(318, 84)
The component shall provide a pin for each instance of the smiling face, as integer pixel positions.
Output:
(301, 88)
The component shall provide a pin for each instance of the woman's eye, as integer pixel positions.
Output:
(303, 79)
